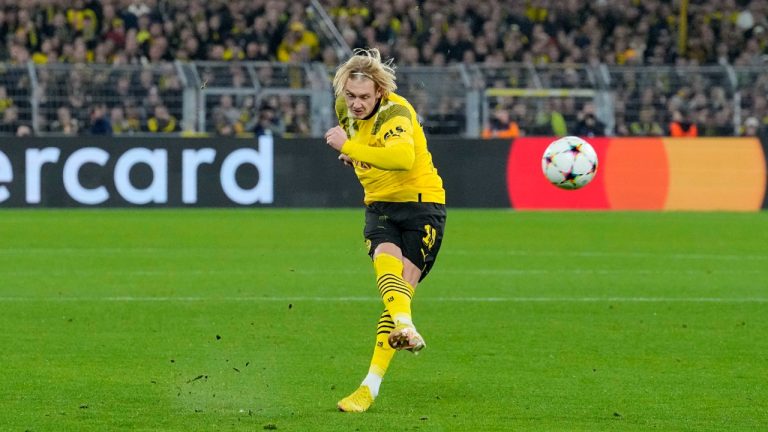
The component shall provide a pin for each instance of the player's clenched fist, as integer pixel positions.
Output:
(336, 137)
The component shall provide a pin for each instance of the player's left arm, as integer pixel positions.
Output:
(394, 149)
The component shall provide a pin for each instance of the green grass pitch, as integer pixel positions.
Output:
(185, 320)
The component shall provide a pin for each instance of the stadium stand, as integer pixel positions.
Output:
(223, 67)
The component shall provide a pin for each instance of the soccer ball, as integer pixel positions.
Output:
(569, 163)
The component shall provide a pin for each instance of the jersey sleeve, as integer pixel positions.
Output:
(393, 148)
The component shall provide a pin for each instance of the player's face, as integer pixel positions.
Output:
(361, 96)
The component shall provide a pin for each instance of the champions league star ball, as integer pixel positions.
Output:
(569, 163)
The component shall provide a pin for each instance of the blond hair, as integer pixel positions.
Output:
(366, 63)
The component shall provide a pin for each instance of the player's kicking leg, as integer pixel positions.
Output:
(406, 337)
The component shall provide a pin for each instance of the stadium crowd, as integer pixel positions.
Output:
(489, 34)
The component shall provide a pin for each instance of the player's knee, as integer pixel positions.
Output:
(388, 249)
(411, 273)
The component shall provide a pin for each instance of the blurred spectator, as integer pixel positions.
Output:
(268, 122)
(162, 121)
(453, 45)
(23, 131)
(100, 124)
(65, 124)
(297, 120)
(751, 127)
(5, 101)
(223, 128)
(266, 76)
(10, 123)
(588, 124)
(447, 118)
(226, 108)
(298, 45)
(132, 118)
(329, 57)
(550, 121)
(247, 112)
(255, 51)
(681, 126)
(138, 8)
(620, 128)
(115, 30)
(646, 125)
(501, 125)
(121, 124)
(226, 117)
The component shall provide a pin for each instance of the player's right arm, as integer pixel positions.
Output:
(393, 149)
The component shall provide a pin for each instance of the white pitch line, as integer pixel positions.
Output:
(447, 252)
(595, 254)
(366, 271)
(137, 299)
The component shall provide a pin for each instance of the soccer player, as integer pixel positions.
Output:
(380, 136)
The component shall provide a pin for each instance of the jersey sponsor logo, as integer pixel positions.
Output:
(394, 133)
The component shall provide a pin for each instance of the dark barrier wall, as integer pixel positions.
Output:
(634, 174)
(473, 171)
(128, 172)
(308, 174)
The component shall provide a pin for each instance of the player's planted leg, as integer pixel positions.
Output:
(362, 398)
(359, 401)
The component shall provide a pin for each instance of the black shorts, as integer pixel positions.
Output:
(415, 227)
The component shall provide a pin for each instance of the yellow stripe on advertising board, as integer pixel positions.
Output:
(715, 174)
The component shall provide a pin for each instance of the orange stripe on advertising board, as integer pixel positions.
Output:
(636, 174)
(715, 174)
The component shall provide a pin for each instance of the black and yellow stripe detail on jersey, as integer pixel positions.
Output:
(387, 113)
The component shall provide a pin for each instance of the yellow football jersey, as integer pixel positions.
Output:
(390, 153)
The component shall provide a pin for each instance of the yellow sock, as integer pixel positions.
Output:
(382, 352)
(395, 291)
